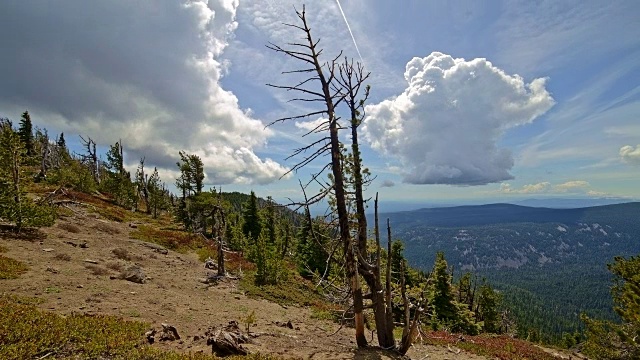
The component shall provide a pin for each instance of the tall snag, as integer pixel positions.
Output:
(342, 84)
(330, 95)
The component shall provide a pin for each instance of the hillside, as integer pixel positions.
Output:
(552, 258)
(74, 267)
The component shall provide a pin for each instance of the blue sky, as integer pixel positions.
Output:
(471, 101)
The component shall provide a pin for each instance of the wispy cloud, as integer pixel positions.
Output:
(574, 187)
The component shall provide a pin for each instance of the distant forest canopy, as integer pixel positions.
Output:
(549, 264)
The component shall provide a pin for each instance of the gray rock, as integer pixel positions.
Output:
(134, 274)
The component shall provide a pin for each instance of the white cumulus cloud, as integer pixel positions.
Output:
(630, 154)
(144, 72)
(445, 126)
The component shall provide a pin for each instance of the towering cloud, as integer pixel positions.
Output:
(146, 72)
(445, 126)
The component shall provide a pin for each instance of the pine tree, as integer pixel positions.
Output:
(61, 142)
(311, 256)
(118, 182)
(157, 194)
(446, 311)
(15, 206)
(252, 226)
(488, 304)
(269, 222)
(442, 293)
(607, 340)
(25, 131)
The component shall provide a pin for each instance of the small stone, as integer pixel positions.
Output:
(150, 335)
(91, 261)
(52, 270)
(133, 226)
(47, 250)
(80, 286)
(84, 245)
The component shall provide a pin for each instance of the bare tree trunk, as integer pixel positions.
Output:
(15, 174)
(331, 144)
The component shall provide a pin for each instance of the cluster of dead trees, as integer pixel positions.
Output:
(333, 84)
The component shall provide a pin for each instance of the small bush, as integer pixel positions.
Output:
(10, 268)
(115, 266)
(106, 228)
(171, 239)
(121, 254)
(97, 270)
(3, 249)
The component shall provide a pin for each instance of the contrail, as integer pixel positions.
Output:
(350, 32)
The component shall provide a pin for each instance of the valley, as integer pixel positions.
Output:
(551, 264)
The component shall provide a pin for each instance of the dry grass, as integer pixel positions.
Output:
(97, 270)
(62, 257)
(69, 227)
(122, 254)
(106, 228)
(115, 266)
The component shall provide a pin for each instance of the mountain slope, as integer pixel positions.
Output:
(556, 256)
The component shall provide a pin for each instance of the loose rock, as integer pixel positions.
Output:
(134, 274)
(227, 341)
(169, 333)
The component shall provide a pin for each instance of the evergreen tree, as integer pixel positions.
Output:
(25, 131)
(118, 181)
(61, 142)
(311, 256)
(607, 340)
(157, 194)
(15, 206)
(190, 183)
(252, 226)
(270, 268)
(446, 311)
(269, 222)
(488, 304)
(442, 293)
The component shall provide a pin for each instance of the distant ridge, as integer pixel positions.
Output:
(567, 203)
(472, 215)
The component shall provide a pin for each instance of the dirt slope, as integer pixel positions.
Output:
(72, 278)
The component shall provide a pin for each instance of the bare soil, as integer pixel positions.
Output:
(71, 278)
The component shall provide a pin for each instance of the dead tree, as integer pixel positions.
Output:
(142, 184)
(330, 95)
(331, 84)
(90, 158)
